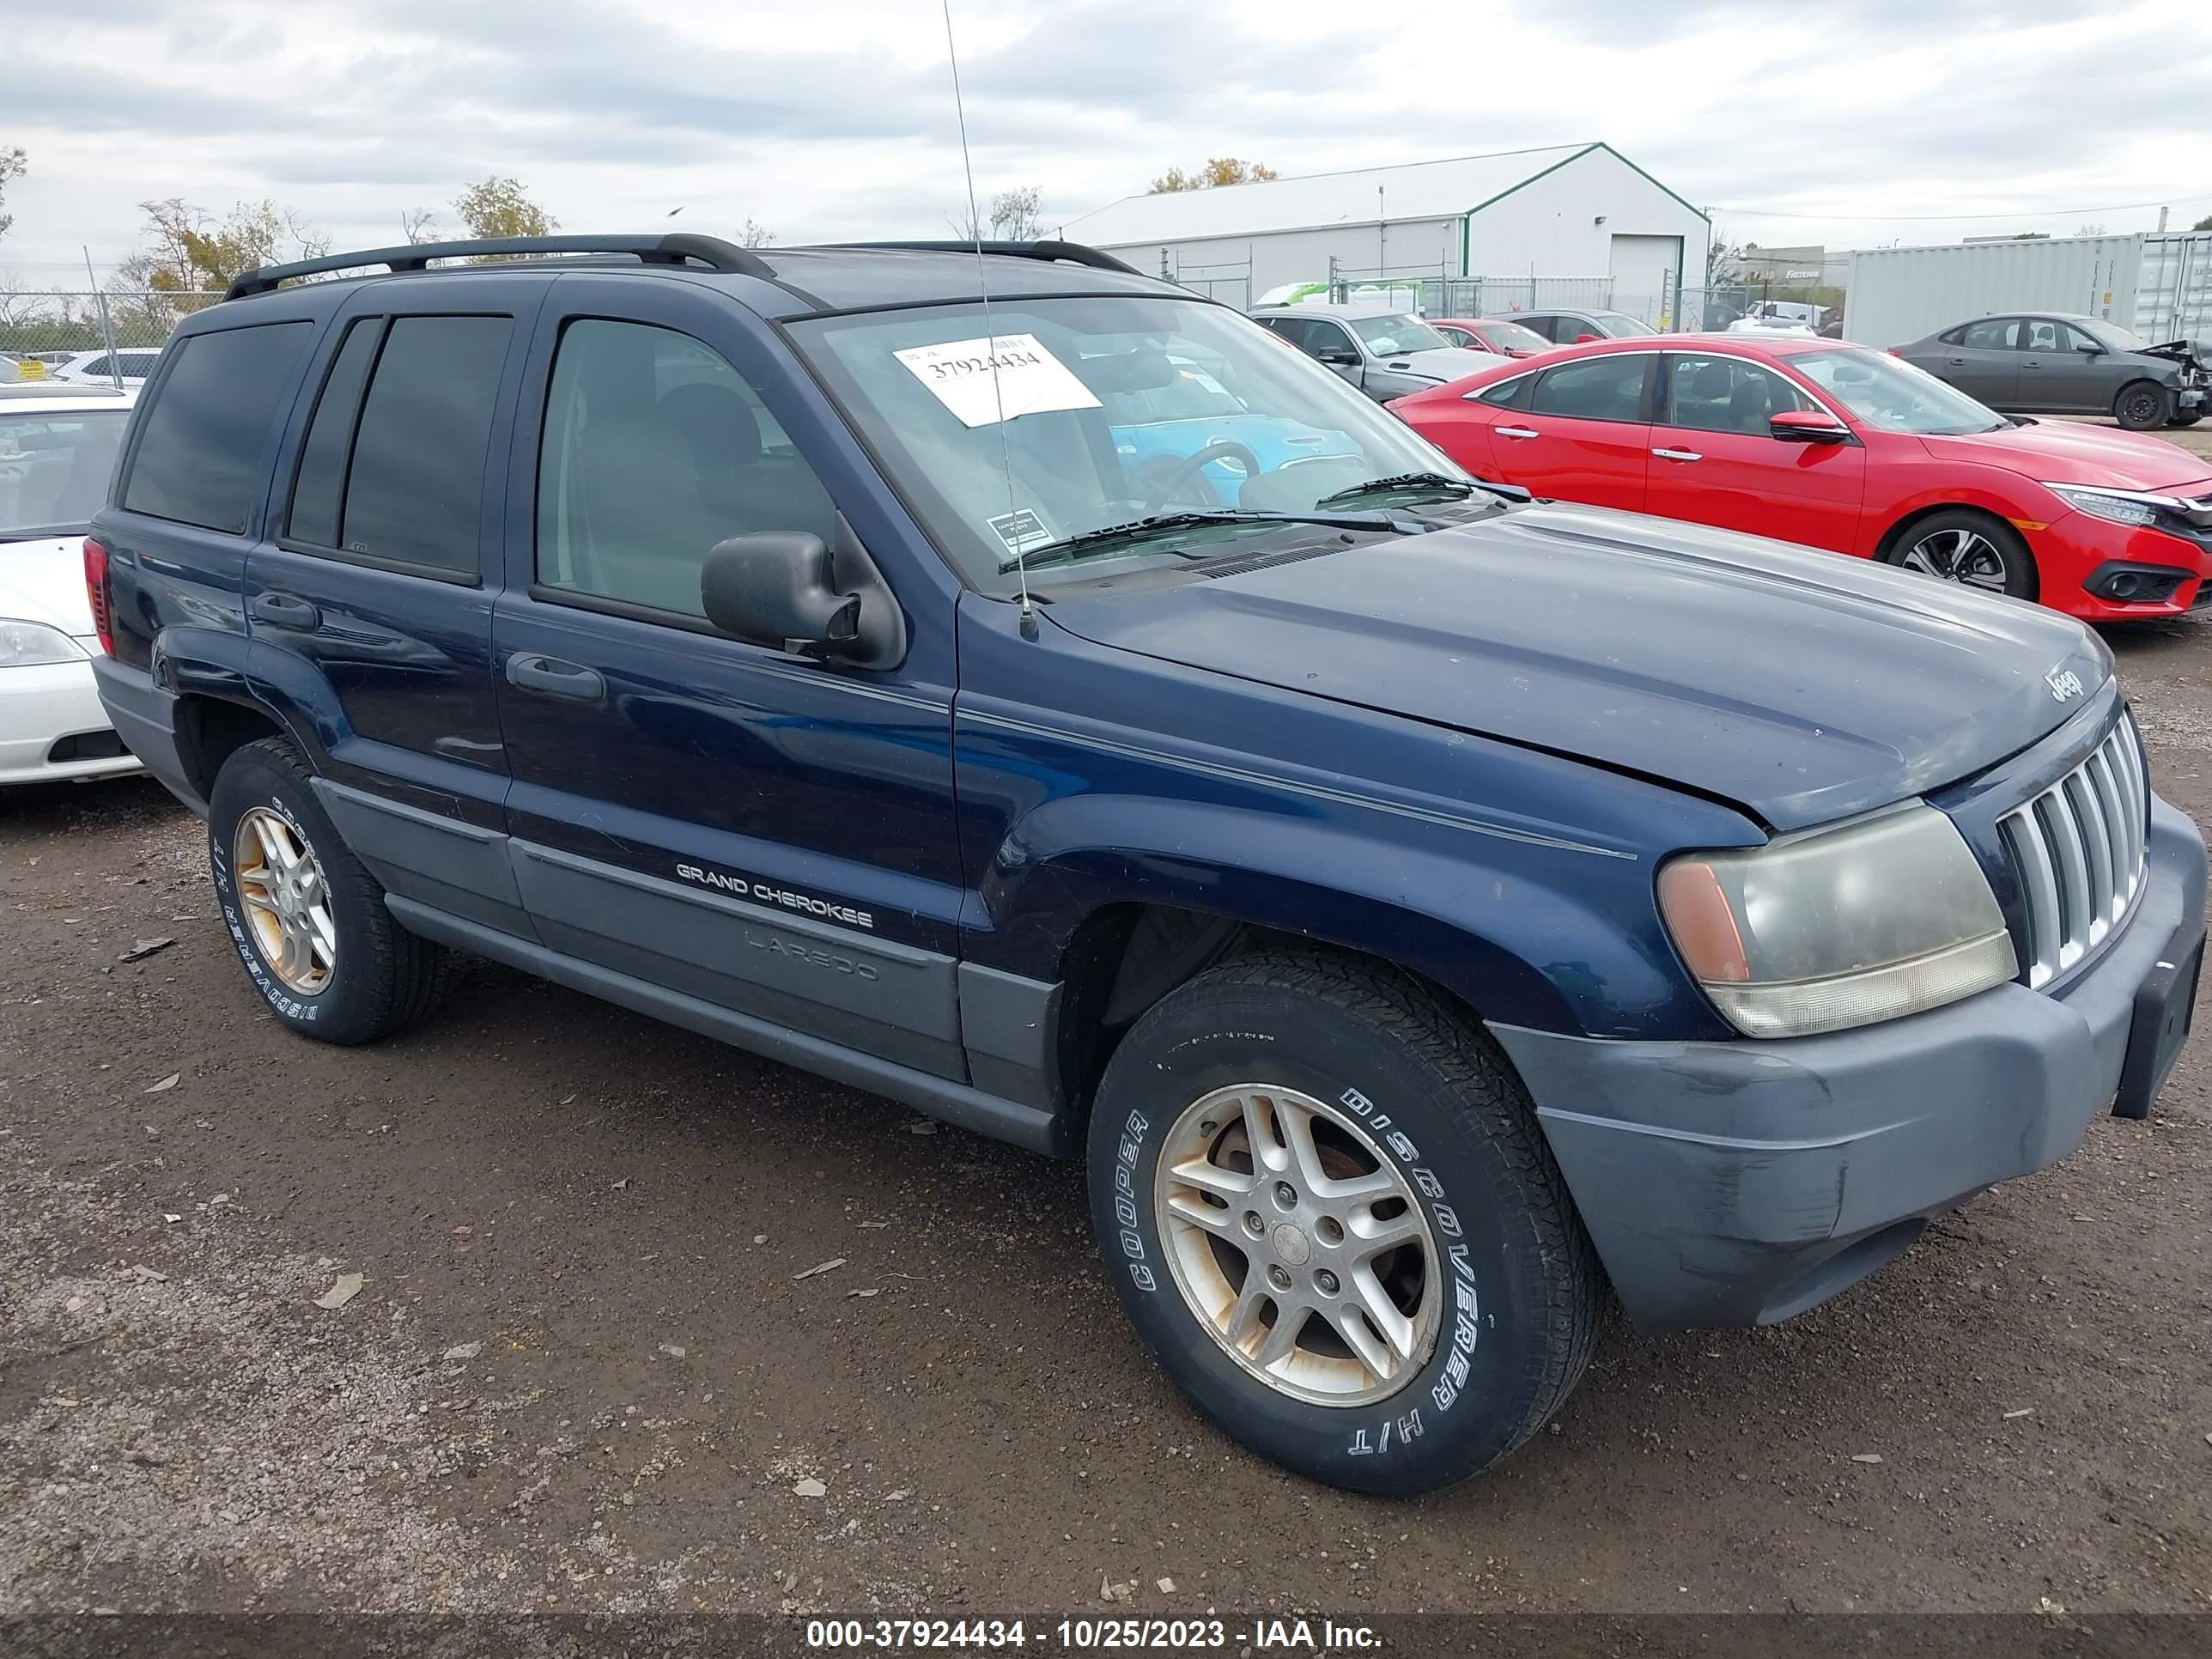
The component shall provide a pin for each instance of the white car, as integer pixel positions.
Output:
(134, 364)
(58, 447)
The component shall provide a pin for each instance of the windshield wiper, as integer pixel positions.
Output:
(1140, 530)
(1423, 481)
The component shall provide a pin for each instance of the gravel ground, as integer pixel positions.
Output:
(583, 1371)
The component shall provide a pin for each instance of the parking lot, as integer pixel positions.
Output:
(647, 1323)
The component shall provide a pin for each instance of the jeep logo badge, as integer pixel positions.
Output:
(2065, 684)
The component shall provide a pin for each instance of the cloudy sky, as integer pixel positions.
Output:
(1848, 121)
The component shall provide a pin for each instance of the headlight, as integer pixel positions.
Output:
(2118, 506)
(1885, 916)
(31, 645)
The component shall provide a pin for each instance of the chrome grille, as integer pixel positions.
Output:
(2078, 850)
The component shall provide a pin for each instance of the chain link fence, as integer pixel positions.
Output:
(50, 327)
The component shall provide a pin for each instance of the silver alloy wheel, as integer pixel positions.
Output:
(1967, 556)
(1298, 1245)
(288, 902)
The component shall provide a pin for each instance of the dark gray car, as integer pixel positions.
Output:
(2056, 363)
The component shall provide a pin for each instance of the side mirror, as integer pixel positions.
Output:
(779, 588)
(1584, 339)
(2090, 350)
(1338, 357)
(1807, 426)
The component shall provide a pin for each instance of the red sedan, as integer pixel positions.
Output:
(1492, 334)
(1839, 447)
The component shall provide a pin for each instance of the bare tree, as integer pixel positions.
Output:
(754, 234)
(15, 305)
(1014, 213)
(1013, 218)
(418, 224)
(13, 165)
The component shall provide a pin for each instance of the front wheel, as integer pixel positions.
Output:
(1327, 1207)
(2142, 407)
(1969, 548)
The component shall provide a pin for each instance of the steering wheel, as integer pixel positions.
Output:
(1191, 466)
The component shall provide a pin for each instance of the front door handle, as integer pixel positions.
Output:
(555, 678)
(1678, 455)
(1956, 362)
(284, 611)
(1515, 431)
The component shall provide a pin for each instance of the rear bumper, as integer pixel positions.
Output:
(1739, 1183)
(145, 717)
(39, 708)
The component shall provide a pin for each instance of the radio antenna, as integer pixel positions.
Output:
(990, 338)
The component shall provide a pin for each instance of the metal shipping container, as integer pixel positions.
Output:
(1900, 294)
(2160, 286)
(2173, 288)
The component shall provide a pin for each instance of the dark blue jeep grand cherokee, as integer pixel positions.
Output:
(1428, 910)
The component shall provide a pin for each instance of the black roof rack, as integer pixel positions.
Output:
(681, 248)
(1073, 253)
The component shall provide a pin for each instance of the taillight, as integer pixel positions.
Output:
(1897, 351)
(95, 590)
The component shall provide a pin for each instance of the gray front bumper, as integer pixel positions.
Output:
(1738, 1183)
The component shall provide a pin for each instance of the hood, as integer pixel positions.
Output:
(2067, 452)
(2184, 352)
(43, 581)
(1637, 643)
(1441, 363)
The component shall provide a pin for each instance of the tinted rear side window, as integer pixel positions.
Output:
(1609, 388)
(415, 493)
(330, 438)
(198, 458)
(1507, 394)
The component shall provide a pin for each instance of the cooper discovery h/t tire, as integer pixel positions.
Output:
(308, 922)
(1324, 1202)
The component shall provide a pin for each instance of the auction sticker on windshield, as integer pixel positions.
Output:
(1029, 380)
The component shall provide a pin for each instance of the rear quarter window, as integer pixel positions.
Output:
(1506, 394)
(413, 493)
(198, 458)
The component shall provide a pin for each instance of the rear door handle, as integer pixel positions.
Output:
(1678, 455)
(284, 611)
(1515, 431)
(555, 678)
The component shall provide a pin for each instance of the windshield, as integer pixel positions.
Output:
(54, 469)
(1386, 334)
(2111, 336)
(1512, 337)
(1891, 394)
(1118, 408)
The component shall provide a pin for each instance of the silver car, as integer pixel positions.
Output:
(1385, 353)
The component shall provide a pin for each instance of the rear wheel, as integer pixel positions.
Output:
(2142, 407)
(1325, 1203)
(307, 921)
(1972, 549)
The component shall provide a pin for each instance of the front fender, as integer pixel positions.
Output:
(1994, 490)
(1516, 948)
